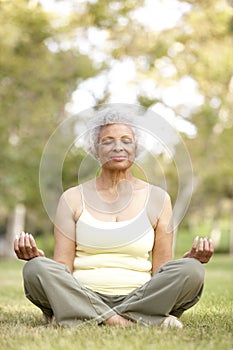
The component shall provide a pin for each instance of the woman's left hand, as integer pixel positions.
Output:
(203, 252)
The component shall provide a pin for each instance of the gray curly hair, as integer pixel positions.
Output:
(108, 116)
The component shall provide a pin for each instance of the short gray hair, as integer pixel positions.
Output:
(108, 116)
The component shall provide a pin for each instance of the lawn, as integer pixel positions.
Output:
(208, 325)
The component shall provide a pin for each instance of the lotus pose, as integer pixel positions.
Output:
(113, 246)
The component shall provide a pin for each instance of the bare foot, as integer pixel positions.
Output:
(118, 320)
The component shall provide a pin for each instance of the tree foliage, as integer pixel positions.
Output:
(35, 84)
(41, 65)
(210, 46)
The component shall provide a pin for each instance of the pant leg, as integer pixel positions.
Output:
(51, 287)
(174, 288)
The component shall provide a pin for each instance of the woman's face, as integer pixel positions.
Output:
(116, 146)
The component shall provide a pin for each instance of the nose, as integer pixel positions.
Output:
(118, 145)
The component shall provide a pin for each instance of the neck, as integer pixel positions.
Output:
(109, 179)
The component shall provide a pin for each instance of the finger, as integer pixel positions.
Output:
(32, 240)
(211, 244)
(33, 245)
(210, 251)
(195, 243)
(206, 245)
(201, 245)
(41, 252)
(21, 240)
(27, 243)
(28, 247)
(24, 246)
(16, 247)
(16, 243)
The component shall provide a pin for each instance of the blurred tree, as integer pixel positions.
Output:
(211, 49)
(197, 50)
(40, 67)
(35, 84)
(199, 47)
(207, 57)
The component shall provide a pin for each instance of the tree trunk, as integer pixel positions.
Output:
(16, 224)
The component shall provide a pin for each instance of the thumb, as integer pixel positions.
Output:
(41, 252)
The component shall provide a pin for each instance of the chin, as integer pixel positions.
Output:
(122, 165)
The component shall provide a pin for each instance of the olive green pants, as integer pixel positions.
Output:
(174, 288)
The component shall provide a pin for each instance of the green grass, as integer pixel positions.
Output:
(208, 325)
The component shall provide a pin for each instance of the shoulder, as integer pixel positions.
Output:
(158, 194)
(72, 198)
(155, 191)
(159, 202)
(71, 193)
(71, 201)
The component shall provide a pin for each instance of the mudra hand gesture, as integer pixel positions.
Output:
(25, 247)
(203, 252)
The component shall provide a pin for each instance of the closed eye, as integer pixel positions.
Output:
(127, 141)
(107, 142)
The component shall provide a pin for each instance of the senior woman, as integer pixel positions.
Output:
(105, 232)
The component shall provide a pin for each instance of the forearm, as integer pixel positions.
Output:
(68, 261)
(160, 261)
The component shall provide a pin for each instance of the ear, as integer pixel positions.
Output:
(97, 153)
(136, 149)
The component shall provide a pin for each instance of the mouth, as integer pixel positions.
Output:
(118, 158)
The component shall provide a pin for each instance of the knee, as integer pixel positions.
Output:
(33, 267)
(192, 269)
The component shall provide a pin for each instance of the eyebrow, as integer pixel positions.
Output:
(123, 136)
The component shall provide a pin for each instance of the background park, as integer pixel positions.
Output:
(61, 57)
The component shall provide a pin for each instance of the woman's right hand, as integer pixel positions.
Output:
(25, 247)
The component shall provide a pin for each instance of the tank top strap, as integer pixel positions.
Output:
(82, 196)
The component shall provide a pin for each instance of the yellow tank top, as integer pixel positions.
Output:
(113, 257)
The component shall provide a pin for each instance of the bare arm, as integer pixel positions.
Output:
(64, 232)
(64, 229)
(162, 250)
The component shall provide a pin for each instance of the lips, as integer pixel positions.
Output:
(118, 158)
